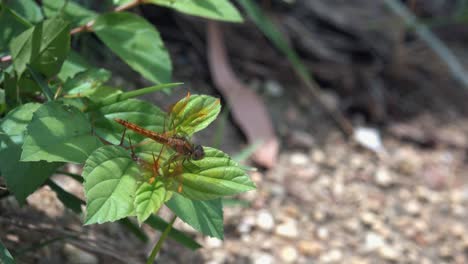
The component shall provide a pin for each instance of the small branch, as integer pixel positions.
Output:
(158, 245)
(5, 59)
(128, 5)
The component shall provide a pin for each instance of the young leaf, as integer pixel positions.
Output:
(59, 132)
(204, 216)
(136, 111)
(110, 182)
(188, 117)
(158, 223)
(72, 11)
(212, 9)
(44, 47)
(149, 198)
(214, 176)
(22, 178)
(137, 42)
(5, 256)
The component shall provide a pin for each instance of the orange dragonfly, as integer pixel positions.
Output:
(181, 145)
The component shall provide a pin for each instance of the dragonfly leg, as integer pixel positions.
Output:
(123, 137)
(155, 166)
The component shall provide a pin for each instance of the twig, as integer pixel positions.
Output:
(432, 41)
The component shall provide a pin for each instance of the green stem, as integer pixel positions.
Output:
(158, 245)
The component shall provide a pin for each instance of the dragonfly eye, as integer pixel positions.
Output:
(198, 153)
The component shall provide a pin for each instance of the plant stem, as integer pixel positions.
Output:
(158, 245)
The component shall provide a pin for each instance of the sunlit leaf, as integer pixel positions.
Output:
(59, 132)
(149, 198)
(214, 176)
(22, 178)
(27, 9)
(44, 47)
(85, 82)
(204, 216)
(212, 9)
(194, 113)
(136, 42)
(110, 182)
(72, 65)
(136, 111)
(69, 9)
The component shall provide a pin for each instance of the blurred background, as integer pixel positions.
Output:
(353, 113)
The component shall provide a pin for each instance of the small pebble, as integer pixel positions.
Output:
(263, 258)
(310, 248)
(332, 256)
(373, 241)
(265, 220)
(323, 233)
(289, 254)
(383, 177)
(389, 253)
(413, 207)
(287, 229)
(299, 159)
(212, 242)
(318, 156)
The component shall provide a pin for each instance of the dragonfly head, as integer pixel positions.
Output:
(198, 153)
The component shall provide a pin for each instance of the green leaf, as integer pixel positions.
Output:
(158, 223)
(27, 9)
(72, 11)
(85, 82)
(214, 176)
(5, 256)
(131, 94)
(69, 200)
(72, 65)
(39, 80)
(212, 9)
(15, 122)
(12, 25)
(59, 132)
(136, 111)
(137, 42)
(149, 198)
(110, 182)
(204, 216)
(44, 47)
(22, 178)
(9, 84)
(188, 117)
